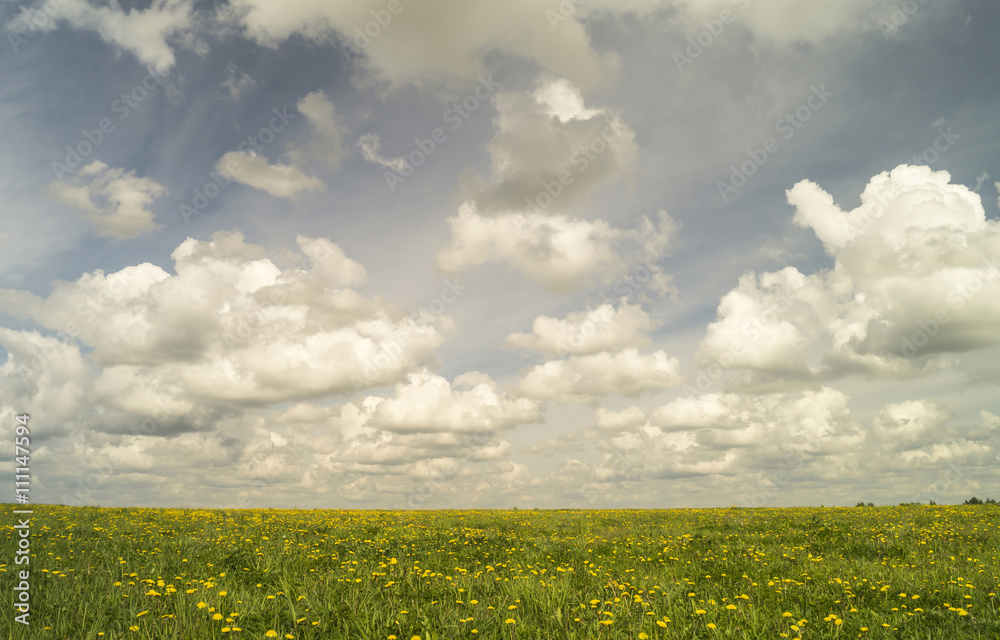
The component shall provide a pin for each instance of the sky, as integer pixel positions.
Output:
(532, 253)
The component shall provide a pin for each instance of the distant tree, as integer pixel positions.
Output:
(973, 500)
(990, 501)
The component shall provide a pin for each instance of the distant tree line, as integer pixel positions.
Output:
(972, 500)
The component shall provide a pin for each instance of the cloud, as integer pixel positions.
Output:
(48, 374)
(230, 328)
(113, 200)
(550, 151)
(326, 142)
(604, 328)
(558, 252)
(237, 82)
(619, 420)
(916, 273)
(584, 379)
(369, 145)
(426, 403)
(434, 44)
(909, 425)
(146, 33)
(784, 22)
(280, 180)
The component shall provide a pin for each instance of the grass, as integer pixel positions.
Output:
(886, 572)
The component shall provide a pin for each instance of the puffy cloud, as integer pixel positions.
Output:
(550, 151)
(916, 273)
(909, 425)
(558, 252)
(618, 420)
(48, 374)
(113, 200)
(428, 404)
(431, 44)
(232, 327)
(756, 327)
(146, 33)
(604, 328)
(280, 180)
(718, 443)
(718, 411)
(584, 379)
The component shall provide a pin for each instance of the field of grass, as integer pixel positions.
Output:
(885, 572)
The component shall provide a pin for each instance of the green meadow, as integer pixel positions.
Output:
(861, 572)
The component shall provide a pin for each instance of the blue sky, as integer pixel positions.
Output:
(251, 258)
